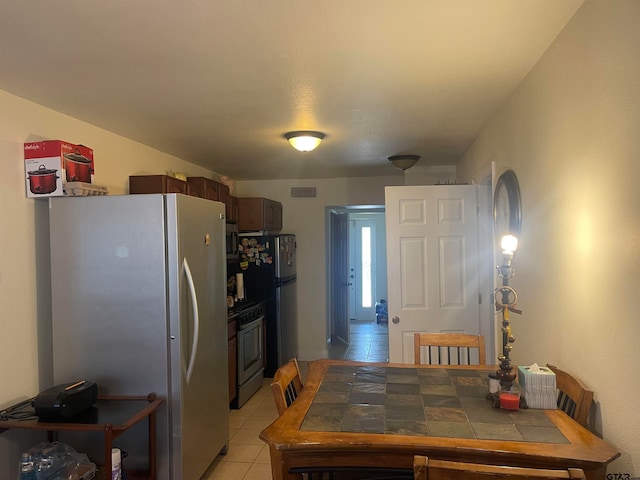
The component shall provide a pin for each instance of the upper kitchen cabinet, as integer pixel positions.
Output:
(223, 194)
(225, 197)
(157, 184)
(204, 188)
(259, 214)
(195, 186)
(232, 215)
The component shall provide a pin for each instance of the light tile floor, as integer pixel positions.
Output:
(248, 456)
(369, 342)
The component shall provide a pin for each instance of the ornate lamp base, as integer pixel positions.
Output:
(507, 376)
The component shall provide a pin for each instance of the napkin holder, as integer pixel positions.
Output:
(539, 386)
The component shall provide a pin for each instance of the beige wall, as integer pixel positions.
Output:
(25, 315)
(570, 132)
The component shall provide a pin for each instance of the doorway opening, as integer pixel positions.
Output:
(358, 283)
(342, 287)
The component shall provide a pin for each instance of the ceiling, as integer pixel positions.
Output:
(219, 82)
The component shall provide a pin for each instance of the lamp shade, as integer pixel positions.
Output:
(404, 162)
(304, 140)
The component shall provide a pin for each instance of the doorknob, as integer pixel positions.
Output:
(395, 320)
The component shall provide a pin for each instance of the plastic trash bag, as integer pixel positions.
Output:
(55, 461)
(382, 311)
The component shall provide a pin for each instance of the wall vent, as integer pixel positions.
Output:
(303, 192)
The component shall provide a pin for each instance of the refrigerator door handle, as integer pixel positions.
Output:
(196, 318)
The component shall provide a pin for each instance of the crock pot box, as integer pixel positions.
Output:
(78, 165)
(51, 163)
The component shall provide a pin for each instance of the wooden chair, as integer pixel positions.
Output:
(425, 468)
(458, 346)
(286, 385)
(573, 398)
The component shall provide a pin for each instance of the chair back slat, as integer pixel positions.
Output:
(448, 348)
(565, 404)
(290, 394)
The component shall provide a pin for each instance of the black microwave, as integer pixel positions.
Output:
(232, 241)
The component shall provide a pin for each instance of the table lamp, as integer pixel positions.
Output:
(505, 301)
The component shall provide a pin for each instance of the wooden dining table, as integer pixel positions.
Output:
(357, 419)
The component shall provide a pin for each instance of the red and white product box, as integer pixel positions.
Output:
(51, 163)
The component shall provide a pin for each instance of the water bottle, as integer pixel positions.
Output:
(116, 464)
(27, 467)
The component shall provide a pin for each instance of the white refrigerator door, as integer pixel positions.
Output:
(109, 307)
(198, 336)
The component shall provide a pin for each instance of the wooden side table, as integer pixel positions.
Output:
(112, 415)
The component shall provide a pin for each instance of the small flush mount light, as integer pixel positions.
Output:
(304, 140)
(404, 162)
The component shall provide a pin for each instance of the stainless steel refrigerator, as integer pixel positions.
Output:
(270, 275)
(138, 306)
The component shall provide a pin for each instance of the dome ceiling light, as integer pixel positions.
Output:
(304, 140)
(404, 162)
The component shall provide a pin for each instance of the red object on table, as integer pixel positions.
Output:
(509, 401)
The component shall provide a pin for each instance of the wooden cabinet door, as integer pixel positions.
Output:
(249, 214)
(156, 184)
(233, 216)
(272, 215)
(212, 190)
(256, 214)
(233, 365)
(196, 189)
(233, 359)
(203, 187)
(225, 197)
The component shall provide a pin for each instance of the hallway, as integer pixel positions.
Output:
(369, 343)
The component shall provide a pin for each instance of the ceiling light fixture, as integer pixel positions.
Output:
(404, 162)
(304, 140)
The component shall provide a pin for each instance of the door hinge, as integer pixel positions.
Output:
(479, 299)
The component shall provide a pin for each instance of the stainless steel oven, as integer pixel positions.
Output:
(250, 338)
(232, 241)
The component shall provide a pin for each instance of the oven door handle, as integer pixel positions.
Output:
(196, 318)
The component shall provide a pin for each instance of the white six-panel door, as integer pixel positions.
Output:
(432, 263)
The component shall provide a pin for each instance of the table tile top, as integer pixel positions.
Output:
(437, 402)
